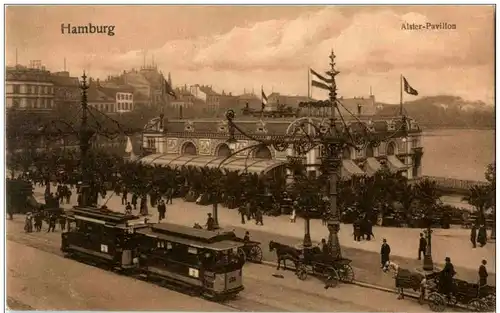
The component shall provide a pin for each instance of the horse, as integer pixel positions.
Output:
(284, 252)
(404, 278)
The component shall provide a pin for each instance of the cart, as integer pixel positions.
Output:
(251, 251)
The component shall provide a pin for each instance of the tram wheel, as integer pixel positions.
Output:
(477, 305)
(437, 303)
(255, 254)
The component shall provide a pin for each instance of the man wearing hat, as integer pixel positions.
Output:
(385, 251)
(446, 276)
(483, 274)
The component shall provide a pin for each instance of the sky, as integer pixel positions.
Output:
(237, 48)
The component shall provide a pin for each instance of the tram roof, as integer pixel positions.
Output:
(191, 233)
(196, 243)
(104, 215)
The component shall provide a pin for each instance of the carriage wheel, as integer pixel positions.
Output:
(477, 305)
(301, 272)
(242, 254)
(346, 274)
(437, 303)
(452, 300)
(332, 279)
(255, 254)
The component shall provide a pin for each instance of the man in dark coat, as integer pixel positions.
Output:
(357, 230)
(385, 251)
(241, 211)
(52, 223)
(473, 235)
(446, 277)
(422, 245)
(162, 209)
(483, 274)
(134, 201)
(481, 236)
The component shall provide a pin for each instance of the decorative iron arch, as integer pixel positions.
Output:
(189, 148)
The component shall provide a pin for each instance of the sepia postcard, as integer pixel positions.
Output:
(250, 158)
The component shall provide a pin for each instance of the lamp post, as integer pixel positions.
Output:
(428, 264)
(333, 135)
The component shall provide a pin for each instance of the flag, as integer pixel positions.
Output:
(264, 99)
(129, 148)
(320, 85)
(409, 89)
(320, 77)
(167, 89)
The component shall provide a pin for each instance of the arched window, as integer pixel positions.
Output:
(189, 148)
(391, 148)
(263, 152)
(369, 151)
(223, 151)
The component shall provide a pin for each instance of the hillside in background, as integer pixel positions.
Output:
(445, 112)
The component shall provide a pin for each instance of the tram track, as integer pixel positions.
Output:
(238, 303)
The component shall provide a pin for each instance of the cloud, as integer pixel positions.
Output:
(365, 42)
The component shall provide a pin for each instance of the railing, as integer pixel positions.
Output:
(453, 183)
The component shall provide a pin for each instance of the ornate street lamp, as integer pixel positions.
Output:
(428, 263)
(333, 135)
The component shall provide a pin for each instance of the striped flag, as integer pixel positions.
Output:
(409, 89)
(167, 89)
(320, 77)
(320, 85)
(264, 99)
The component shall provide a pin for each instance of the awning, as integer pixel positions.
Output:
(349, 168)
(372, 166)
(234, 163)
(395, 165)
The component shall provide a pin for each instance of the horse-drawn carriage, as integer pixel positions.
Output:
(251, 250)
(316, 263)
(440, 295)
(311, 261)
(476, 298)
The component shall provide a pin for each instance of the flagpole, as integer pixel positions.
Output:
(401, 94)
(309, 89)
(261, 101)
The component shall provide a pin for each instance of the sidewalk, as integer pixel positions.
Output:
(453, 243)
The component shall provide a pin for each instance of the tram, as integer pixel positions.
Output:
(102, 236)
(198, 259)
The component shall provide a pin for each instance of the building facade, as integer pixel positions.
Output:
(29, 88)
(124, 102)
(202, 142)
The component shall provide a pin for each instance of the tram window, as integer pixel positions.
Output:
(160, 244)
(192, 250)
(169, 246)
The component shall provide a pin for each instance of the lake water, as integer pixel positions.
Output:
(458, 153)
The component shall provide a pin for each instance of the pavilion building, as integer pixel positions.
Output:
(203, 142)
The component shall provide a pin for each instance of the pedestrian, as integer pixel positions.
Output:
(144, 206)
(52, 222)
(259, 217)
(367, 228)
(246, 239)
(481, 235)
(422, 245)
(62, 222)
(134, 201)
(210, 222)
(483, 274)
(241, 211)
(68, 195)
(446, 277)
(38, 221)
(162, 208)
(385, 251)
(473, 235)
(248, 210)
(124, 196)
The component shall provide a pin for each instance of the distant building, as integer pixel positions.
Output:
(251, 99)
(275, 100)
(67, 91)
(358, 105)
(101, 98)
(29, 88)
